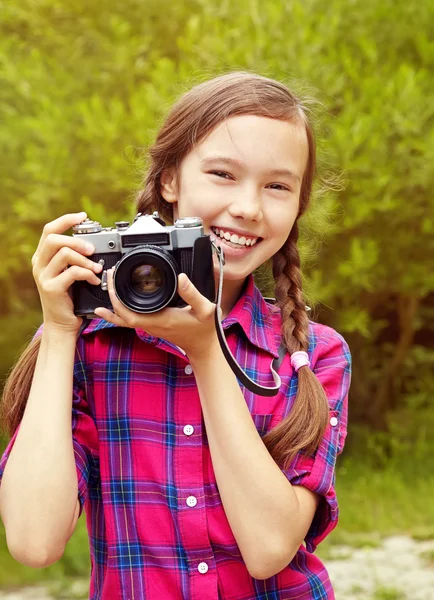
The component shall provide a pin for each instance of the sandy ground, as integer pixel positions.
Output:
(398, 565)
(396, 570)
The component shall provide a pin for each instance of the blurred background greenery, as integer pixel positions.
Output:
(83, 89)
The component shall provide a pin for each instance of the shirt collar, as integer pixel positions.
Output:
(96, 325)
(251, 312)
(256, 318)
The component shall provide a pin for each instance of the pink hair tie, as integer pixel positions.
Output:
(299, 359)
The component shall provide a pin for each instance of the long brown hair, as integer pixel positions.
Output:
(192, 117)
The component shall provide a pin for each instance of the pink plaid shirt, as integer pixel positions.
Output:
(156, 523)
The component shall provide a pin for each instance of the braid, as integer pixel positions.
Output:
(289, 294)
(304, 426)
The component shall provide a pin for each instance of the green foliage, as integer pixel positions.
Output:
(395, 502)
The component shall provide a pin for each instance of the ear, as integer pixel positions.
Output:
(169, 186)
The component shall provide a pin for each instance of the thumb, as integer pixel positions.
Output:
(202, 307)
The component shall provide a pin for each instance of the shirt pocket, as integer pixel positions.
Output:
(262, 423)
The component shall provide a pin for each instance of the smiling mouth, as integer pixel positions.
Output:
(237, 241)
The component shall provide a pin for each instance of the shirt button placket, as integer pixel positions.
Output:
(190, 481)
(188, 430)
(191, 501)
(202, 568)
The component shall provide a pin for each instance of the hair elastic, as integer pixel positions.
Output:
(300, 359)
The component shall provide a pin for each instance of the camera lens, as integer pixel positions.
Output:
(145, 279)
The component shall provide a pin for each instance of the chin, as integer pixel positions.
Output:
(229, 275)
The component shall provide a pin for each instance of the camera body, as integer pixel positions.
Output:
(147, 257)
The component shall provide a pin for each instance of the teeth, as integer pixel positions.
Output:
(241, 241)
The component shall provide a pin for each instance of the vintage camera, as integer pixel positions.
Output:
(147, 256)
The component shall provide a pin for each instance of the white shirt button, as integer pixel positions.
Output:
(333, 421)
(203, 567)
(191, 501)
(188, 370)
(188, 429)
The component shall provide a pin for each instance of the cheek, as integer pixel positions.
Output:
(196, 200)
(281, 220)
(200, 205)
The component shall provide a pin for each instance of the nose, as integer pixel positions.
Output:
(247, 206)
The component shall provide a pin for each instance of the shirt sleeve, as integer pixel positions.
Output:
(85, 442)
(84, 432)
(331, 362)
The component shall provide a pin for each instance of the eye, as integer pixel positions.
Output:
(221, 174)
(278, 186)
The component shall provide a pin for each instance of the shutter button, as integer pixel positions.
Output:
(203, 567)
(188, 429)
(188, 370)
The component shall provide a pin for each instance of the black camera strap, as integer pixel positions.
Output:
(243, 377)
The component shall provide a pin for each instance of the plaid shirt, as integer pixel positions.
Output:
(157, 526)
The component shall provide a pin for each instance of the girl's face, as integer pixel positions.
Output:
(244, 181)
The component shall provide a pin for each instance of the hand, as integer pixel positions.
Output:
(192, 327)
(58, 261)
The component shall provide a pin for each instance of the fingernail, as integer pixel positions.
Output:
(184, 282)
(90, 248)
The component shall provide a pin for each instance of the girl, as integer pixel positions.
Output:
(194, 488)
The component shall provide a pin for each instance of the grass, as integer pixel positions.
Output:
(373, 505)
(357, 589)
(423, 534)
(377, 504)
(387, 593)
(428, 557)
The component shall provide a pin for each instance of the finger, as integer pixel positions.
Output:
(54, 242)
(67, 257)
(201, 306)
(61, 225)
(124, 313)
(109, 316)
(64, 281)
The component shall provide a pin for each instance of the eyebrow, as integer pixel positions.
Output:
(233, 162)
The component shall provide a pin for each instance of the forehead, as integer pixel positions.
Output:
(260, 143)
